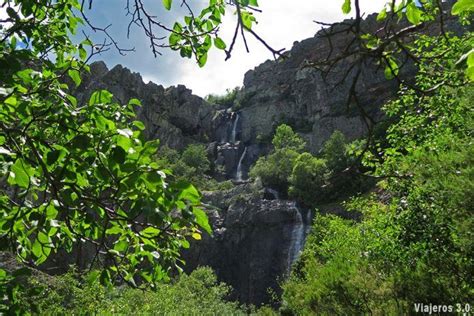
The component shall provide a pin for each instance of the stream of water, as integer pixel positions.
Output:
(239, 174)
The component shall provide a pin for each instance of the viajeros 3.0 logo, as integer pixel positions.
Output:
(463, 309)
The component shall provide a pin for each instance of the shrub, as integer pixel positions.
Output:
(190, 166)
(335, 277)
(286, 138)
(227, 100)
(307, 179)
(335, 151)
(196, 294)
(414, 243)
(195, 156)
(275, 169)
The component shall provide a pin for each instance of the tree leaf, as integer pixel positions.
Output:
(188, 192)
(202, 220)
(219, 43)
(100, 97)
(167, 4)
(36, 249)
(253, 3)
(20, 175)
(134, 102)
(346, 6)
(75, 76)
(202, 60)
(413, 13)
(462, 6)
(391, 70)
(382, 15)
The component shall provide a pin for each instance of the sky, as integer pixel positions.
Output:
(281, 23)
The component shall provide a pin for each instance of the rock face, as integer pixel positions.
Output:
(288, 91)
(255, 240)
(173, 115)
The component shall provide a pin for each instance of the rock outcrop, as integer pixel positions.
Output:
(256, 239)
(174, 115)
(292, 92)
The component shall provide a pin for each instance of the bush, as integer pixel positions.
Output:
(334, 275)
(342, 160)
(189, 166)
(275, 169)
(227, 100)
(307, 179)
(213, 185)
(414, 243)
(195, 156)
(196, 294)
(286, 138)
(335, 152)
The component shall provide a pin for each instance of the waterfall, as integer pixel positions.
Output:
(233, 135)
(239, 173)
(298, 235)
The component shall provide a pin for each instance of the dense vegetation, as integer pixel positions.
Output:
(415, 241)
(226, 100)
(191, 165)
(310, 179)
(198, 293)
(83, 174)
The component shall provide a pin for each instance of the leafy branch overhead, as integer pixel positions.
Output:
(198, 32)
(389, 43)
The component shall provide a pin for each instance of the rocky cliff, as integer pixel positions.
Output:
(174, 115)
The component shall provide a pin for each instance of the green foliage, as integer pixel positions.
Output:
(414, 243)
(335, 276)
(275, 169)
(335, 152)
(196, 294)
(345, 178)
(415, 12)
(227, 100)
(307, 179)
(191, 165)
(214, 185)
(12, 286)
(198, 33)
(75, 174)
(195, 156)
(286, 138)
(462, 6)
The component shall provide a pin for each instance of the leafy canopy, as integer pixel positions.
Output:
(286, 138)
(80, 175)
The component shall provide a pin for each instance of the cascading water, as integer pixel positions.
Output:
(298, 235)
(233, 135)
(239, 173)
